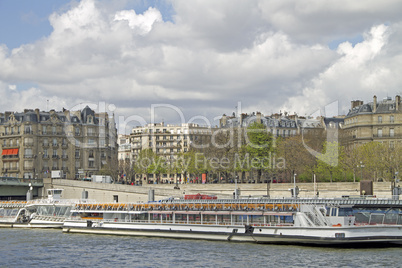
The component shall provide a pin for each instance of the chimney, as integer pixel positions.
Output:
(37, 114)
(258, 117)
(374, 104)
(67, 114)
(223, 120)
(397, 101)
(356, 103)
(6, 115)
(242, 116)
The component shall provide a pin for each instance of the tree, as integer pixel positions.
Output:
(148, 162)
(260, 148)
(330, 161)
(298, 159)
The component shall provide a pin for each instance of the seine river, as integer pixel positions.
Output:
(45, 248)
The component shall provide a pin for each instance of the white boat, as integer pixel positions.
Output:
(40, 213)
(260, 223)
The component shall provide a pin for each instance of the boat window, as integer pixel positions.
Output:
(333, 211)
(345, 212)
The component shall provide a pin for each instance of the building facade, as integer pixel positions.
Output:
(279, 125)
(124, 152)
(375, 121)
(169, 140)
(33, 143)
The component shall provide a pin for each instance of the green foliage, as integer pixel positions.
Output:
(329, 164)
(260, 148)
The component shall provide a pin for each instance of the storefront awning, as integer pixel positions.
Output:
(10, 152)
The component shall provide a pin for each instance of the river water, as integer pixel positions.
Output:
(45, 248)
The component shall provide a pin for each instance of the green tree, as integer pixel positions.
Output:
(330, 161)
(260, 148)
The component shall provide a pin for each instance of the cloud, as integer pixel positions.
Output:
(268, 55)
(361, 71)
(141, 23)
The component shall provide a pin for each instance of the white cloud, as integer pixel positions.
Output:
(142, 22)
(270, 55)
(361, 72)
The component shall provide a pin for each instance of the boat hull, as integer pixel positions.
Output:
(271, 235)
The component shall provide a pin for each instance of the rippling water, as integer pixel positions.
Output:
(44, 248)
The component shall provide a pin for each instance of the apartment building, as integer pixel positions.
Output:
(34, 142)
(169, 140)
(374, 121)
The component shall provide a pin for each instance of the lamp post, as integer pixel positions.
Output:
(361, 169)
(294, 185)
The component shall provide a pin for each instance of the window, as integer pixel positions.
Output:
(28, 152)
(54, 142)
(45, 153)
(391, 144)
(77, 164)
(380, 119)
(91, 142)
(77, 131)
(53, 129)
(28, 129)
(391, 119)
(91, 163)
(44, 129)
(379, 132)
(54, 153)
(391, 132)
(77, 153)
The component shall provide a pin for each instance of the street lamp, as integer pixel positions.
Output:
(361, 169)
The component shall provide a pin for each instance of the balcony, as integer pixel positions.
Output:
(28, 156)
(64, 157)
(54, 144)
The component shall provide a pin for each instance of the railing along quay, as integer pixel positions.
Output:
(372, 202)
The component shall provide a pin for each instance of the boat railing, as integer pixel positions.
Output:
(62, 201)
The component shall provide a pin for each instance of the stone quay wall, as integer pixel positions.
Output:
(102, 192)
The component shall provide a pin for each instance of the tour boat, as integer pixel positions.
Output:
(40, 213)
(236, 221)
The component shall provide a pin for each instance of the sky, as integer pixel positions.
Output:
(181, 61)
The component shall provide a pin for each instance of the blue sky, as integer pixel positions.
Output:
(23, 22)
(202, 56)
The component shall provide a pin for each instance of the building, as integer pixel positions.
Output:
(375, 121)
(124, 152)
(169, 141)
(280, 125)
(78, 143)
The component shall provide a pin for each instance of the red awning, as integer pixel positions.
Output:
(10, 152)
